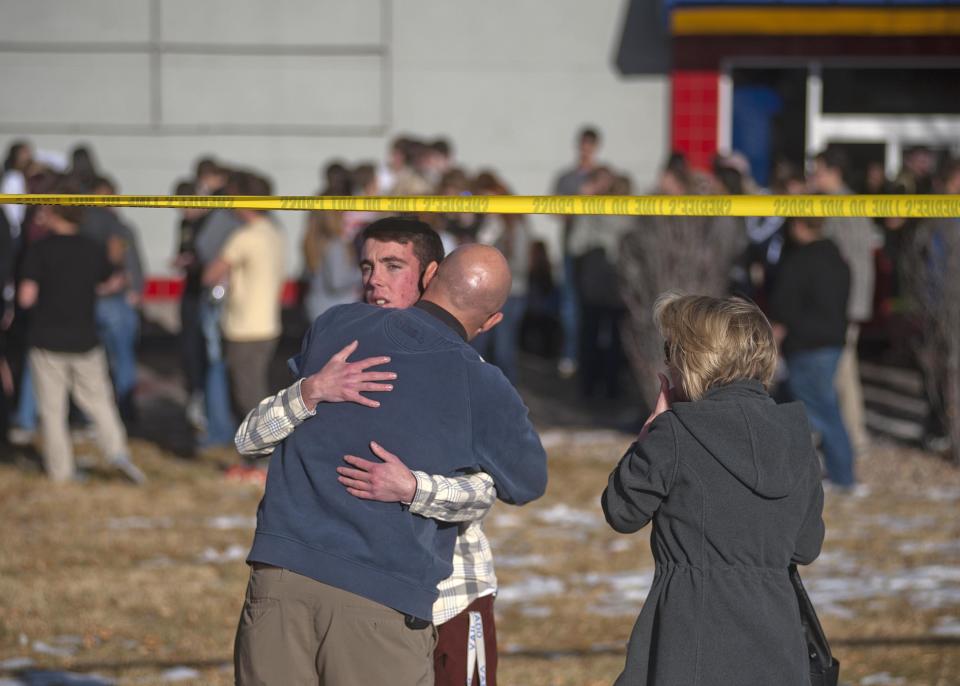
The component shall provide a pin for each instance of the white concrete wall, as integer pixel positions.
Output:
(284, 86)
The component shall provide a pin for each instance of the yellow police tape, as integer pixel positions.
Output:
(637, 205)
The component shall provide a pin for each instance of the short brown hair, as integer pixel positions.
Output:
(715, 341)
(427, 246)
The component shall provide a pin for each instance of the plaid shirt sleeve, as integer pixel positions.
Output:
(271, 421)
(453, 499)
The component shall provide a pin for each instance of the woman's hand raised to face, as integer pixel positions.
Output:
(664, 402)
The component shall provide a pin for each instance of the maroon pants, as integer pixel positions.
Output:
(450, 655)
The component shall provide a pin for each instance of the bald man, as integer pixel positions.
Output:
(342, 588)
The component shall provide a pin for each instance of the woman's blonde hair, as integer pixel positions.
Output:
(715, 341)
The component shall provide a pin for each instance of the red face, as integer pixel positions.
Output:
(391, 274)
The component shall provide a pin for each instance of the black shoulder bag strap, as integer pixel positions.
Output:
(824, 669)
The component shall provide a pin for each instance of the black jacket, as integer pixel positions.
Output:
(811, 296)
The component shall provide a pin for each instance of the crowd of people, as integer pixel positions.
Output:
(435, 297)
(233, 268)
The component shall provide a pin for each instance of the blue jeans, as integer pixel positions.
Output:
(119, 325)
(26, 415)
(569, 311)
(811, 381)
(220, 423)
(500, 344)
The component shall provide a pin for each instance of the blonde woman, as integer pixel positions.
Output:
(732, 484)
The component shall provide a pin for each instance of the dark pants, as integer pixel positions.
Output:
(811, 381)
(601, 349)
(193, 351)
(248, 363)
(450, 656)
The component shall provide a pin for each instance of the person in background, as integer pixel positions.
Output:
(594, 245)
(455, 228)
(329, 257)
(14, 182)
(540, 331)
(438, 160)
(398, 158)
(569, 182)
(82, 174)
(212, 233)
(6, 319)
(731, 482)
(252, 265)
(858, 239)
(62, 276)
(209, 177)
(192, 347)
(363, 182)
(118, 314)
(917, 174)
(809, 309)
(509, 234)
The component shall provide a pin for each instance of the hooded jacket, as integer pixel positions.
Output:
(732, 484)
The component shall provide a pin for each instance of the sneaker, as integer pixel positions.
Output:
(567, 368)
(130, 470)
(196, 416)
(19, 436)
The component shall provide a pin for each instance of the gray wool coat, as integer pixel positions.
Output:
(732, 484)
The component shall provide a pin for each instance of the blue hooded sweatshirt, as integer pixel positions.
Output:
(450, 413)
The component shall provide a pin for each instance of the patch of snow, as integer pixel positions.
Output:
(137, 523)
(513, 561)
(179, 674)
(882, 679)
(942, 494)
(948, 626)
(56, 651)
(928, 587)
(895, 524)
(619, 545)
(232, 554)
(505, 519)
(558, 438)
(942, 547)
(565, 516)
(225, 522)
(536, 611)
(531, 588)
(16, 663)
(54, 678)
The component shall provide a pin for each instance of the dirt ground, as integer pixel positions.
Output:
(144, 586)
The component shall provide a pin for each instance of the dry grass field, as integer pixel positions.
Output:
(144, 586)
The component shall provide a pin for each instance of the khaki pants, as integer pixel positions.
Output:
(850, 392)
(83, 376)
(295, 631)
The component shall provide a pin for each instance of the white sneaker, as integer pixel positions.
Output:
(196, 416)
(566, 368)
(20, 436)
(130, 470)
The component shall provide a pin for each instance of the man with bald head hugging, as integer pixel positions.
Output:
(342, 588)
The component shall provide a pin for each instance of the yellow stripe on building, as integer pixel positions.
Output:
(815, 21)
